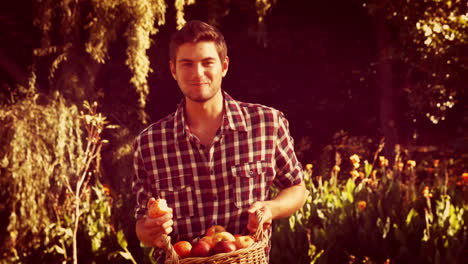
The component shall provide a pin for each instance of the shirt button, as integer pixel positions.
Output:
(251, 172)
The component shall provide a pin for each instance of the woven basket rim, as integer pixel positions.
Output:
(255, 246)
(261, 242)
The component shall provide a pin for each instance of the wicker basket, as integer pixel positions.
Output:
(254, 254)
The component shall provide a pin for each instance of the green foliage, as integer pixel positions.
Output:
(432, 40)
(42, 149)
(75, 31)
(54, 201)
(395, 215)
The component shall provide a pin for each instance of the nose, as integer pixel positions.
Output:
(198, 70)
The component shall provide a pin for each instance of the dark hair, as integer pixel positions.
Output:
(195, 31)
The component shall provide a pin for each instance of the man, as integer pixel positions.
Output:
(214, 159)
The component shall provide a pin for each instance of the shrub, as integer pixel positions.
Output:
(379, 214)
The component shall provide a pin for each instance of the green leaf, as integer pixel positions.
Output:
(126, 255)
(350, 185)
(412, 214)
(367, 168)
(292, 222)
(121, 239)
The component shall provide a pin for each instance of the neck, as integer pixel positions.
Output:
(203, 113)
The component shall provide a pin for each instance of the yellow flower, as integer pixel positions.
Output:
(355, 160)
(309, 167)
(411, 163)
(436, 163)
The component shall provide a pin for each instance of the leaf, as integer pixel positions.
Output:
(367, 168)
(350, 185)
(121, 239)
(126, 255)
(292, 222)
(412, 214)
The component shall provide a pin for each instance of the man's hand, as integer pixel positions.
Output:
(150, 230)
(253, 222)
(288, 201)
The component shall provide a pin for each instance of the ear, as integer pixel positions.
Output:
(225, 65)
(173, 69)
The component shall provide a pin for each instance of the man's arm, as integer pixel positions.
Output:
(288, 201)
(289, 178)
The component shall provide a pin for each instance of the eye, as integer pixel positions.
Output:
(186, 64)
(208, 63)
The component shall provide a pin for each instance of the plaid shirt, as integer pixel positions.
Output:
(214, 185)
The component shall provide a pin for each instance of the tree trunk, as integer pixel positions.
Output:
(385, 85)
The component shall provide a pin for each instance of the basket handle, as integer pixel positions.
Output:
(260, 233)
(171, 256)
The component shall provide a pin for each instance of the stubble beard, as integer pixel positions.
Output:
(203, 97)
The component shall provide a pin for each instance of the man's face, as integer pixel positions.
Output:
(198, 70)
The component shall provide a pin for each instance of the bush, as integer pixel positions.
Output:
(403, 214)
(54, 204)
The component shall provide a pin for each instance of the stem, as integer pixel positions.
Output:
(90, 155)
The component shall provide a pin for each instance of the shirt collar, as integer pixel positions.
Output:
(233, 119)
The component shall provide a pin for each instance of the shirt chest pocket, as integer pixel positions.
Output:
(250, 183)
(179, 194)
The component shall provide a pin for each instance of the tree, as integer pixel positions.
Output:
(428, 43)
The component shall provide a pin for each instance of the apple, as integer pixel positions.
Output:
(223, 236)
(214, 229)
(200, 249)
(224, 247)
(244, 241)
(157, 207)
(209, 240)
(183, 248)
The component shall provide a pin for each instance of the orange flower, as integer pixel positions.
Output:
(436, 163)
(336, 168)
(383, 161)
(362, 205)
(465, 176)
(106, 188)
(426, 192)
(354, 174)
(400, 166)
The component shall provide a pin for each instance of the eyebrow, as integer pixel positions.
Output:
(189, 60)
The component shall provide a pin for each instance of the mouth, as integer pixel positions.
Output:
(198, 83)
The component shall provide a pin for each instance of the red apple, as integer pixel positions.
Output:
(209, 240)
(183, 248)
(214, 229)
(224, 247)
(200, 249)
(244, 241)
